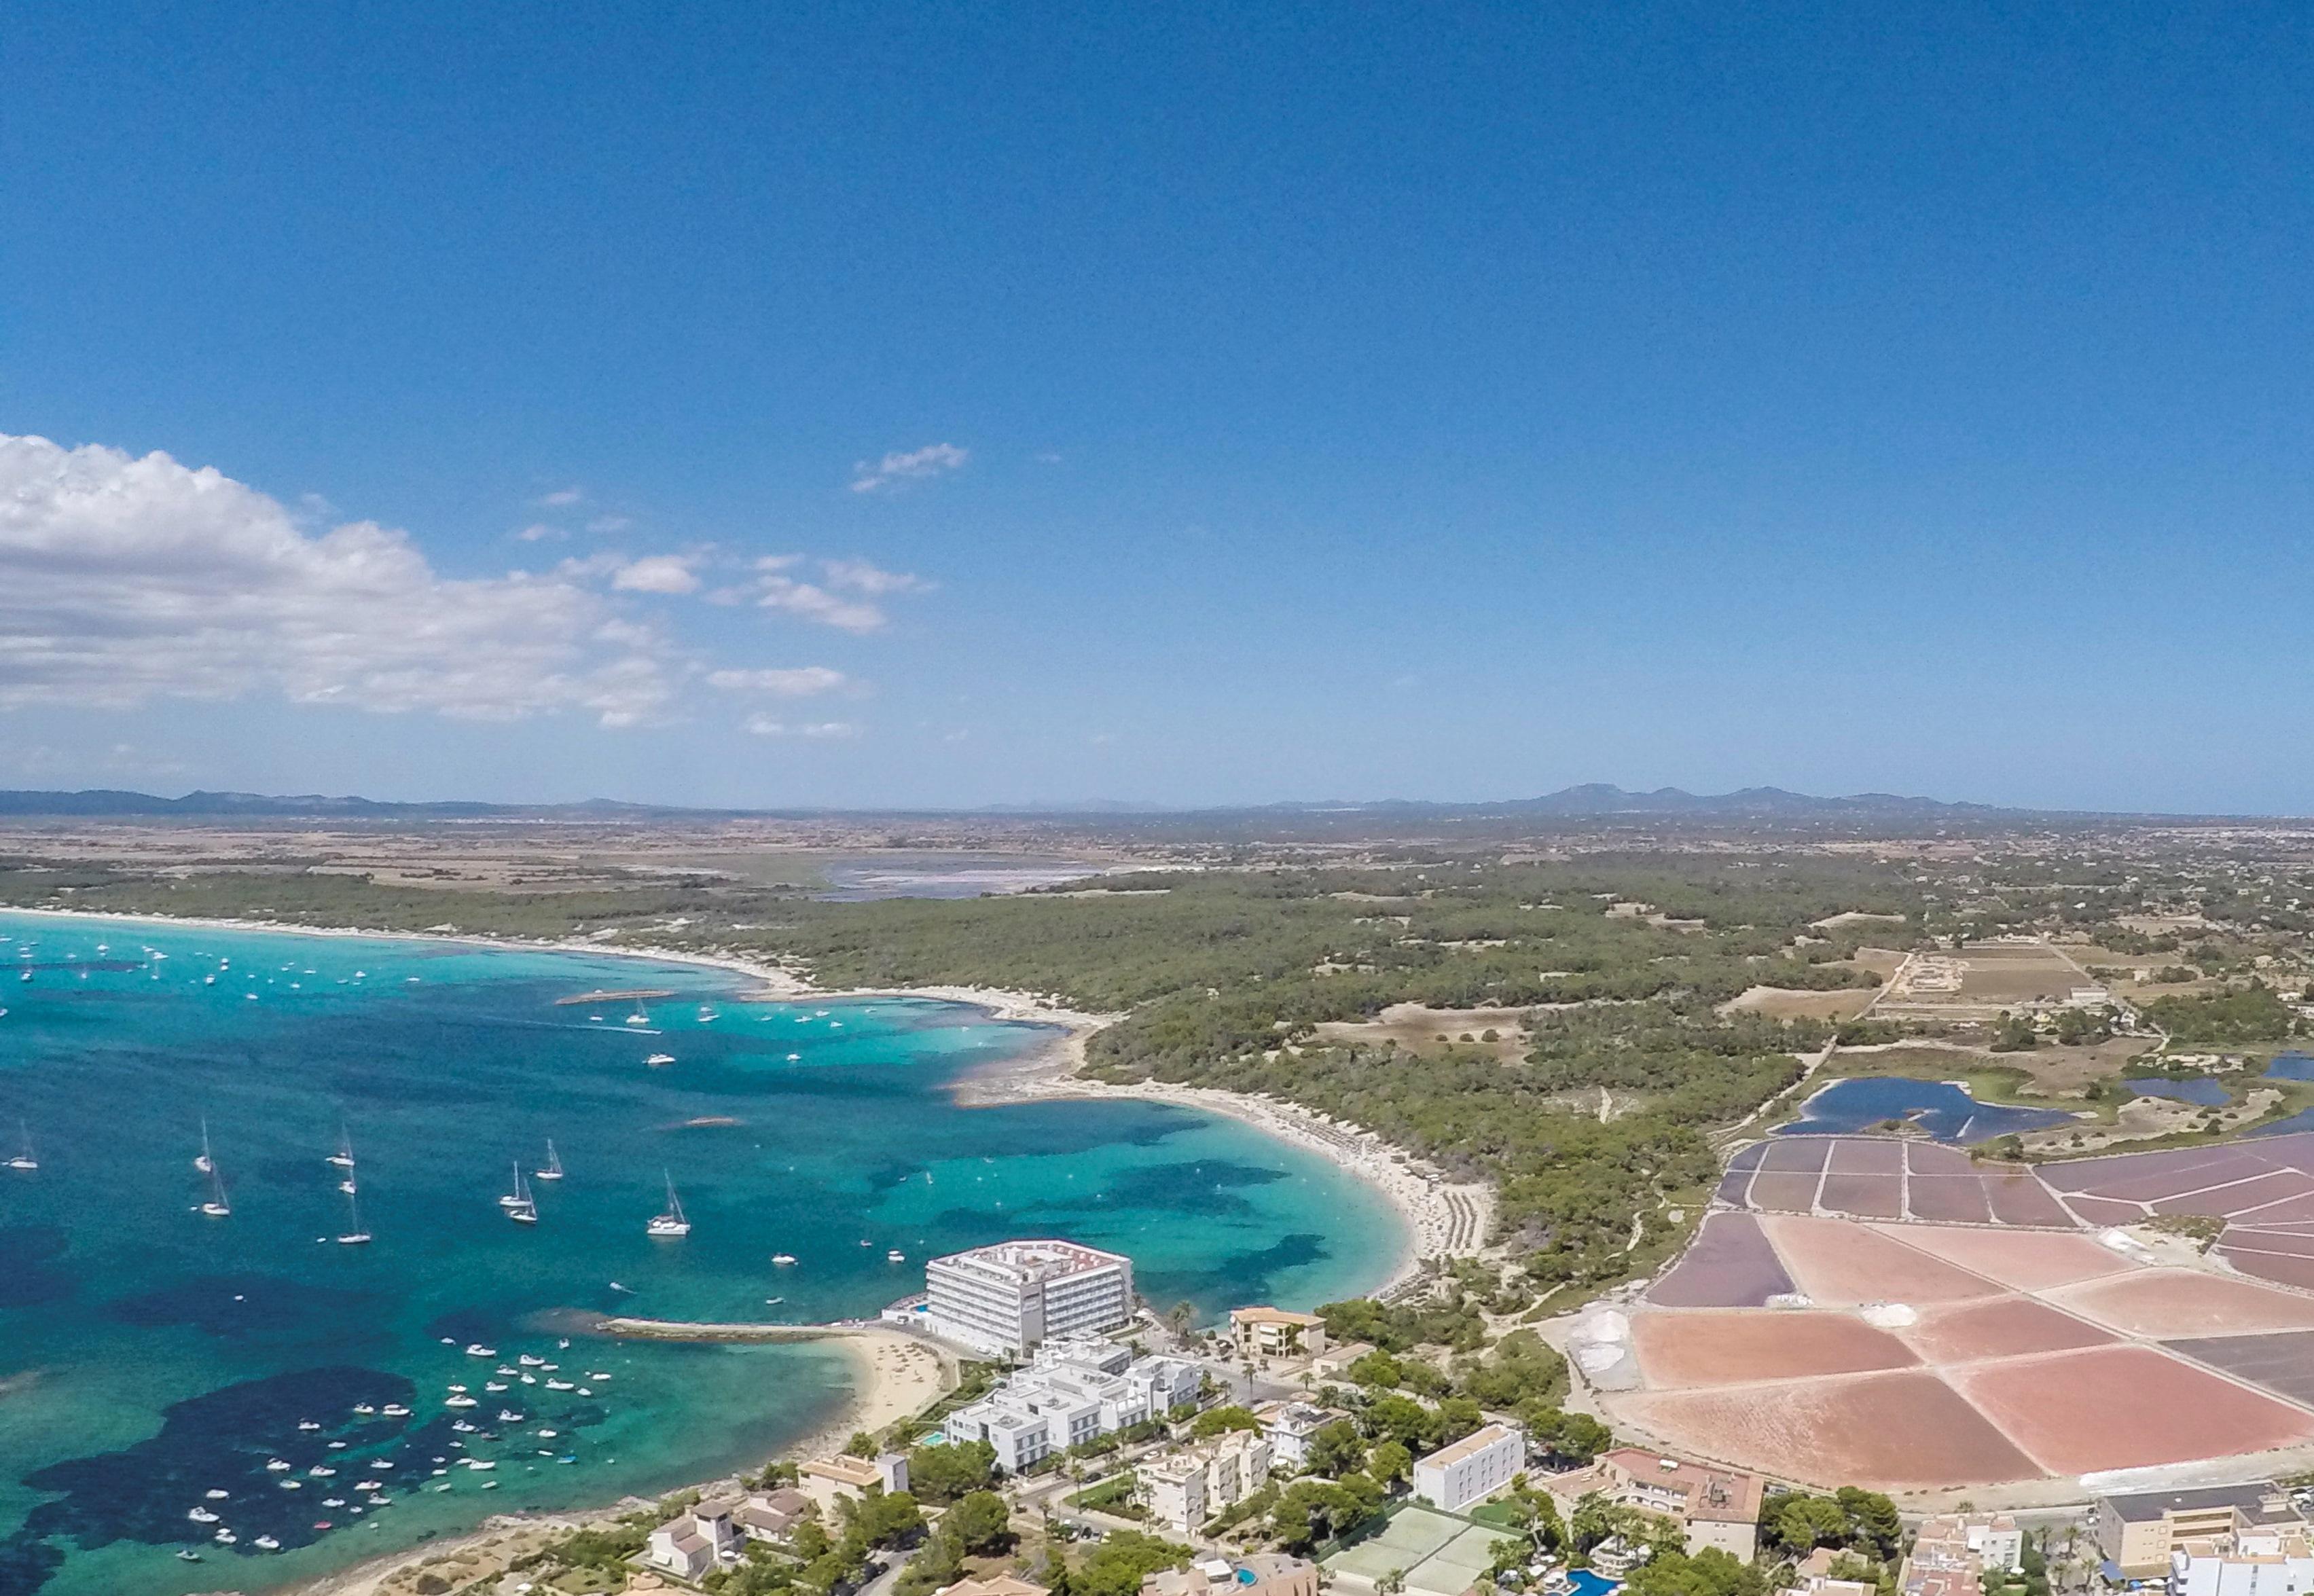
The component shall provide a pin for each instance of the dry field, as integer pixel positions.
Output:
(1421, 1029)
(1782, 1003)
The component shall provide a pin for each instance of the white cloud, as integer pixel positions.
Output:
(906, 466)
(817, 604)
(123, 580)
(657, 573)
(604, 523)
(763, 725)
(562, 496)
(860, 576)
(539, 531)
(798, 682)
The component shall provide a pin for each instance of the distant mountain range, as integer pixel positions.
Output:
(1591, 800)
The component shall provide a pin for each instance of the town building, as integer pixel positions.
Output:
(1813, 1573)
(1952, 1552)
(1472, 1470)
(1074, 1391)
(1330, 1363)
(1717, 1507)
(829, 1480)
(995, 1584)
(691, 1545)
(1263, 1573)
(1007, 1299)
(1290, 1425)
(1184, 1490)
(773, 1515)
(2136, 1533)
(2275, 1561)
(1267, 1333)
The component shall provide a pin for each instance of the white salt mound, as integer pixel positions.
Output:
(1889, 1316)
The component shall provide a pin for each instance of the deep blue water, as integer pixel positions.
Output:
(149, 1353)
(2209, 1094)
(1937, 1107)
(2290, 1066)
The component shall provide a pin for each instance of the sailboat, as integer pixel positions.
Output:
(344, 1157)
(672, 1222)
(216, 1207)
(207, 1162)
(355, 1236)
(518, 1204)
(554, 1170)
(24, 1159)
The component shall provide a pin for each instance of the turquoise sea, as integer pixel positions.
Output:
(150, 1355)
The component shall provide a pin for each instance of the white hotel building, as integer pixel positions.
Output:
(1074, 1390)
(1009, 1298)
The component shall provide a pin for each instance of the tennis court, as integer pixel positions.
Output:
(1439, 1555)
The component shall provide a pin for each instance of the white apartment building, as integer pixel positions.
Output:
(1187, 1489)
(1473, 1469)
(1290, 1425)
(1009, 1298)
(1075, 1391)
(2256, 1562)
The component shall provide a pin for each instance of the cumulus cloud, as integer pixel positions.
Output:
(776, 590)
(539, 531)
(860, 576)
(657, 573)
(901, 466)
(126, 579)
(764, 725)
(797, 682)
(562, 496)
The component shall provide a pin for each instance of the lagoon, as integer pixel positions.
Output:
(149, 1353)
(1940, 1108)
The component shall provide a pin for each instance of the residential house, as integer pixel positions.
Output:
(693, 1545)
(1267, 1333)
(1717, 1507)
(1190, 1486)
(1290, 1426)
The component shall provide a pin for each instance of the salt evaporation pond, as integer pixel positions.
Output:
(1938, 1108)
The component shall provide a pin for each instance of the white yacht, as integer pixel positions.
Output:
(204, 1163)
(24, 1159)
(658, 1059)
(895, 1256)
(672, 1222)
(518, 1202)
(344, 1157)
(475, 1349)
(216, 1207)
(783, 1259)
(554, 1170)
(353, 1235)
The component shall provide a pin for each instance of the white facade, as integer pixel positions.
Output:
(695, 1543)
(1290, 1425)
(1186, 1490)
(2244, 1574)
(1473, 1469)
(1010, 1298)
(1075, 1391)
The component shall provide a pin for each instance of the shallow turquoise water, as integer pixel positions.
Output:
(149, 1353)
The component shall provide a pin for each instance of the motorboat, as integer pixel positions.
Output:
(394, 1410)
(202, 1515)
(783, 1259)
(475, 1349)
(659, 1060)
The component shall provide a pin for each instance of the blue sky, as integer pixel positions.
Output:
(946, 405)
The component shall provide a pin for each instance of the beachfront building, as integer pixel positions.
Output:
(1717, 1507)
(2137, 1532)
(772, 1516)
(1470, 1470)
(1267, 1333)
(828, 1481)
(1074, 1391)
(1009, 1298)
(691, 1545)
(1184, 1490)
(2275, 1561)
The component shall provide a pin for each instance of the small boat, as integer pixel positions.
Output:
(517, 1203)
(344, 1157)
(600, 1379)
(225, 1538)
(461, 1400)
(638, 1018)
(320, 1471)
(529, 1360)
(216, 1496)
(202, 1515)
(203, 1162)
(307, 1424)
(671, 1223)
(508, 1416)
(475, 1349)
(554, 1170)
(530, 1380)
(783, 1259)
(773, 1301)
(548, 1434)
(187, 1555)
(277, 1466)
(333, 1502)
(24, 1159)
(396, 1410)
(658, 1059)
(291, 1485)
(494, 1385)
(364, 1408)
(895, 1256)
(266, 1543)
(561, 1385)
